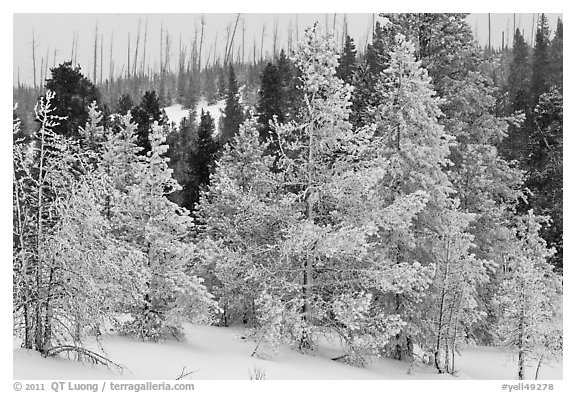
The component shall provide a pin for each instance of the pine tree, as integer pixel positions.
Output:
(544, 166)
(327, 166)
(540, 61)
(347, 61)
(555, 54)
(209, 88)
(73, 93)
(519, 73)
(70, 272)
(181, 144)
(243, 214)
(201, 161)
(518, 93)
(416, 151)
(144, 115)
(453, 303)
(233, 114)
(222, 84)
(125, 104)
(529, 298)
(142, 215)
(271, 103)
(291, 86)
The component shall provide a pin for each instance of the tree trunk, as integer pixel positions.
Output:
(48, 313)
(538, 367)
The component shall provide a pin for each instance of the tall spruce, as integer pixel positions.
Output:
(556, 57)
(347, 61)
(540, 61)
(201, 160)
(271, 103)
(233, 114)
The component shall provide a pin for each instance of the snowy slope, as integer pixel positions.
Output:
(176, 113)
(215, 353)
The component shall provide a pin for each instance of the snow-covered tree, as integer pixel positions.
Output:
(451, 308)
(529, 299)
(70, 274)
(141, 215)
(333, 250)
(414, 149)
(243, 217)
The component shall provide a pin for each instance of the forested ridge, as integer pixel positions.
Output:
(406, 199)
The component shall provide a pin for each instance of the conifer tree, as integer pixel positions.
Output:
(544, 169)
(291, 86)
(242, 214)
(144, 115)
(347, 61)
(142, 215)
(271, 103)
(327, 165)
(181, 144)
(73, 93)
(540, 61)
(416, 150)
(529, 297)
(556, 57)
(201, 160)
(70, 271)
(124, 104)
(233, 114)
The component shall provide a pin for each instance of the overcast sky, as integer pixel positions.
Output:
(54, 34)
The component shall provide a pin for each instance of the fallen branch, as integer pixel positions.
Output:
(92, 356)
(183, 375)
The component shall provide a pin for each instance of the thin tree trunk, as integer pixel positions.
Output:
(489, 33)
(101, 59)
(215, 49)
(111, 70)
(39, 336)
(128, 67)
(227, 43)
(48, 312)
(41, 68)
(76, 50)
(73, 40)
(136, 50)
(95, 54)
(275, 38)
(532, 33)
(521, 349)
(538, 367)
(34, 57)
(243, 38)
(144, 47)
(202, 24)
(440, 321)
(230, 47)
(46, 65)
(262, 42)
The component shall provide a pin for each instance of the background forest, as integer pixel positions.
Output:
(405, 198)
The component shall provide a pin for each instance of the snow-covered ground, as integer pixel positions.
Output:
(176, 113)
(215, 353)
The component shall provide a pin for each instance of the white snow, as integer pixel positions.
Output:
(176, 112)
(215, 353)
